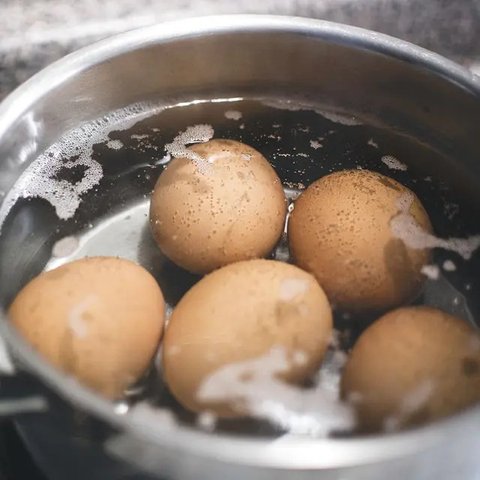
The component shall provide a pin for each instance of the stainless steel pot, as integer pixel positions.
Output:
(379, 77)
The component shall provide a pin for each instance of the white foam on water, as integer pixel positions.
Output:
(114, 144)
(431, 271)
(233, 114)
(315, 412)
(164, 160)
(405, 227)
(39, 180)
(200, 133)
(449, 266)
(393, 163)
(372, 143)
(274, 137)
(65, 247)
(315, 144)
(328, 378)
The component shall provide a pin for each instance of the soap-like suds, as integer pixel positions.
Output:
(431, 271)
(65, 247)
(274, 137)
(233, 114)
(40, 177)
(315, 144)
(114, 144)
(200, 133)
(328, 379)
(449, 266)
(372, 143)
(316, 412)
(76, 319)
(164, 160)
(293, 287)
(393, 163)
(137, 136)
(406, 228)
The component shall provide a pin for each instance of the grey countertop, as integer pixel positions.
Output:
(34, 33)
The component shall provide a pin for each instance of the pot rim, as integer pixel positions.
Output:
(299, 453)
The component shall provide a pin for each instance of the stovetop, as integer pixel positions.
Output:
(16, 462)
(35, 33)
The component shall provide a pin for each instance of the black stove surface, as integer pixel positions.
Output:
(16, 462)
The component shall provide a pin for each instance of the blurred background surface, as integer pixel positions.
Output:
(34, 33)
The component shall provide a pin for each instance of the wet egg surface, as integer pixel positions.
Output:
(98, 319)
(340, 231)
(413, 365)
(227, 206)
(241, 312)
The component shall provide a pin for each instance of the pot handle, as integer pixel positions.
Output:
(18, 393)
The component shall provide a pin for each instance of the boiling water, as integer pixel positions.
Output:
(89, 195)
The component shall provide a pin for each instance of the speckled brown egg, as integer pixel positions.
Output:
(239, 313)
(413, 365)
(98, 319)
(340, 231)
(233, 209)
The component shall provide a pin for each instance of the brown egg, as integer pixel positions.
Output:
(340, 231)
(234, 209)
(241, 312)
(99, 319)
(413, 365)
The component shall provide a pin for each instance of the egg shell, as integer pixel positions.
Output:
(241, 312)
(339, 231)
(98, 319)
(233, 209)
(413, 365)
